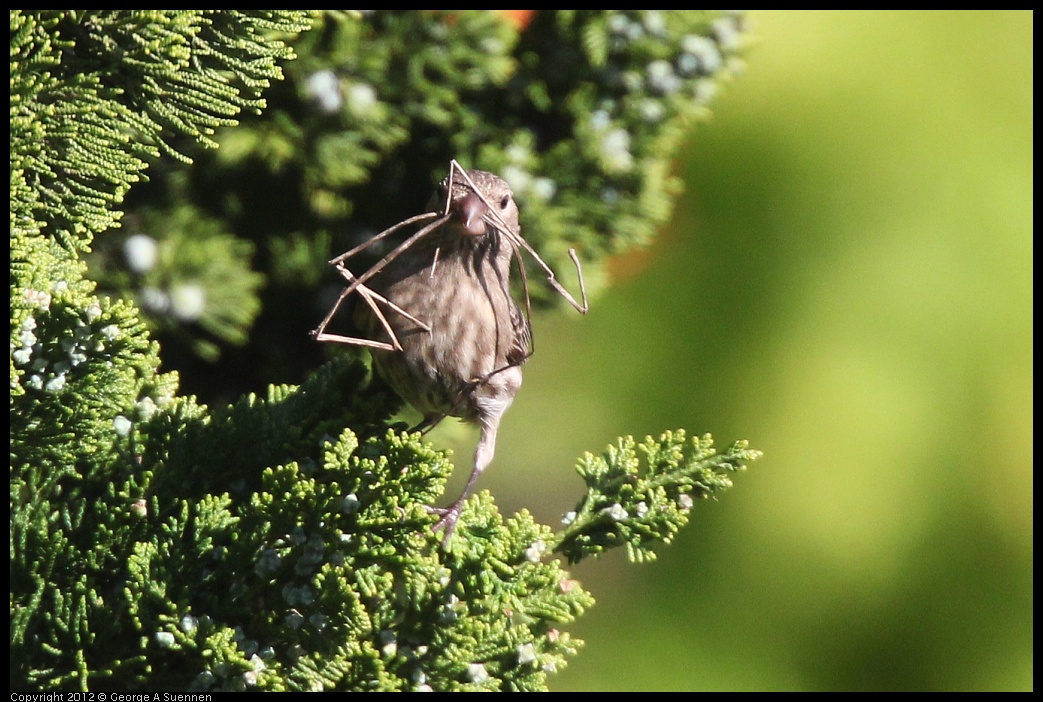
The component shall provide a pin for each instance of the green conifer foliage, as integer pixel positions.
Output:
(280, 541)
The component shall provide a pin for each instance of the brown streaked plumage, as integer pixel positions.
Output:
(456, 280)
(445, 332)
(438, 314)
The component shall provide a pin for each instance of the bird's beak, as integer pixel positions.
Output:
(471, 210)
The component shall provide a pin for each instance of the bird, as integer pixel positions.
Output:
(443, 328)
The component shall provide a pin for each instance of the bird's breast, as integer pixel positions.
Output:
(465, 301)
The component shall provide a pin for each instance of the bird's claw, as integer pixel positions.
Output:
(447, 522)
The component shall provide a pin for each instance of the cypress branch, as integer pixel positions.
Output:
(280, 541)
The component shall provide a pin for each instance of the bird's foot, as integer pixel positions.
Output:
(449, 516)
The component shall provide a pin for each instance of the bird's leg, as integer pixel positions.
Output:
(483, 456)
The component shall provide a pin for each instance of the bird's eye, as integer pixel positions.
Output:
(506, 200)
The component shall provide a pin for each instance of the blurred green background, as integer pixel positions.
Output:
(846, 283)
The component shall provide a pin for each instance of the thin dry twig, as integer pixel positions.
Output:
(374, 299)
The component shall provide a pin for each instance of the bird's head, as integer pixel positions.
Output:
(482, 203)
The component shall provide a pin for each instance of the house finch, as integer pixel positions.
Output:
(446, 334)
